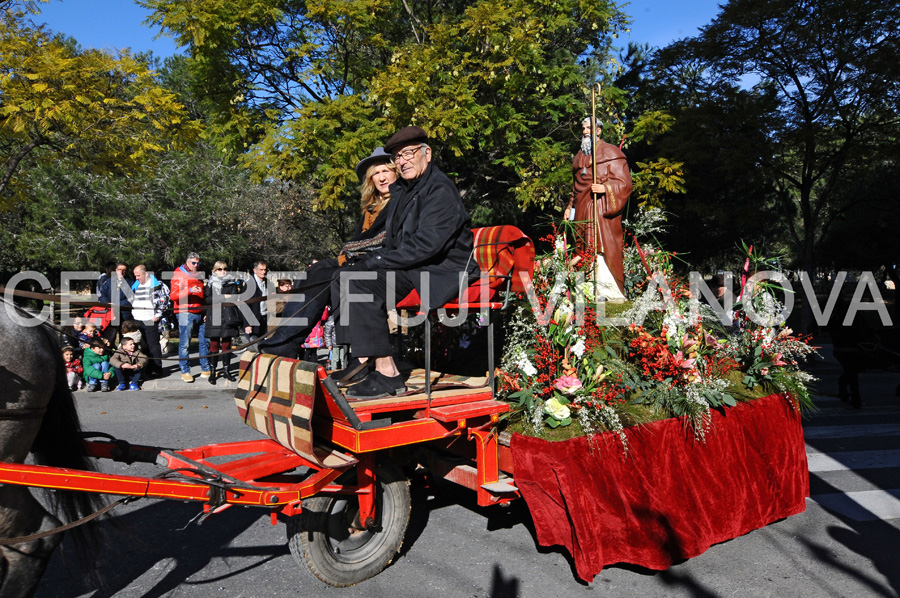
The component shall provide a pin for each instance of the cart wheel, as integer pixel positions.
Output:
(329, 541)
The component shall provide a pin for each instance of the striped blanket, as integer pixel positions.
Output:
(275, 395)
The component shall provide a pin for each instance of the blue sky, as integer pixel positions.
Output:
(117, 24)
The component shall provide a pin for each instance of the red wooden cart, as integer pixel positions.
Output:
(333, 466)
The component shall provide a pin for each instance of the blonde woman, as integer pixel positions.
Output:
(377, 173)
(222, 322)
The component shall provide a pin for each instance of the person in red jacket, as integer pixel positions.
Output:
(189, 297)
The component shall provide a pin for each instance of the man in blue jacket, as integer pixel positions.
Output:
(115, 285)
(427, 247)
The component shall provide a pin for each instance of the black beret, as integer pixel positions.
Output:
(406, 136)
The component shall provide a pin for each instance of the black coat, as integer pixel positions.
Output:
(231, 322)
(259, 326)
(428, 230)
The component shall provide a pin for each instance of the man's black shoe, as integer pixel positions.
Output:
(355, 371)
(377, 385)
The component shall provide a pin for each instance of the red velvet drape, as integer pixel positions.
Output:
(670, 497)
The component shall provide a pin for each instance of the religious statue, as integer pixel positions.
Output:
(600, 191)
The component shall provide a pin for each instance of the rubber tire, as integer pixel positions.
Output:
(319, 540)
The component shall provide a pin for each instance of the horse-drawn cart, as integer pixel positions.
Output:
(333, 467)
(336, 468)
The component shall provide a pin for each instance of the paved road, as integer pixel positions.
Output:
(845, 544)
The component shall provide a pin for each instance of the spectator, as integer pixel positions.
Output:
(68, 336)
(97, 370)
(128, 363)
(854, 346)
(131, 329)
(74, 370)
(283, 285)
(256, 326)
(88, 335)
(115, 286)
(315, 340)
(151, 298)
(189, 298)
(103, 280)
(336, 353)
(222, 322)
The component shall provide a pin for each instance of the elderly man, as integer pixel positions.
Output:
(151, 297)
(427, 247)
(257, 324)
(611, 189)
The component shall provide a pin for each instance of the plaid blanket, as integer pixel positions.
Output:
(275, 396)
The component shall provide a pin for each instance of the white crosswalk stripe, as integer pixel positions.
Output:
(819, 462)
(868, 505)
(846, 471)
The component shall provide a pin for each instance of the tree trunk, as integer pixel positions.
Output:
(808, 324)
(13, 162)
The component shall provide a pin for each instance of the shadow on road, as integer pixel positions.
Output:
(158, 540)
(876, 541)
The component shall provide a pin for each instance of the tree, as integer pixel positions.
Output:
(831, 70)
(311, 87)
(190, 201)
(85, 106)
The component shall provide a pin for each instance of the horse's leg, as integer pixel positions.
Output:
(23, 564)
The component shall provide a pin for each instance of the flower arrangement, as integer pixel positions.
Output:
(568, 364)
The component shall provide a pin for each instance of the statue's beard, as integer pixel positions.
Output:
(586, 145)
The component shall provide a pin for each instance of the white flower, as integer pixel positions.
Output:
(578, 348)
(673, 321)
(555, 409)
(560, 244)
(564, 308)
(524, 364)
(611, 420)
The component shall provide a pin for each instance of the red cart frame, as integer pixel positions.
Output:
(345, 528)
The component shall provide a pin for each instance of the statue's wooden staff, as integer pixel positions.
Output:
(595, 225)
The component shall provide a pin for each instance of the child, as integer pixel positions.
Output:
(97, 371)
(132, 330)
(315, 340)
(128, 363)
(73, 369)
(88, 334)
(68, 336)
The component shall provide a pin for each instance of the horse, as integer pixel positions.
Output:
(37, 415)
